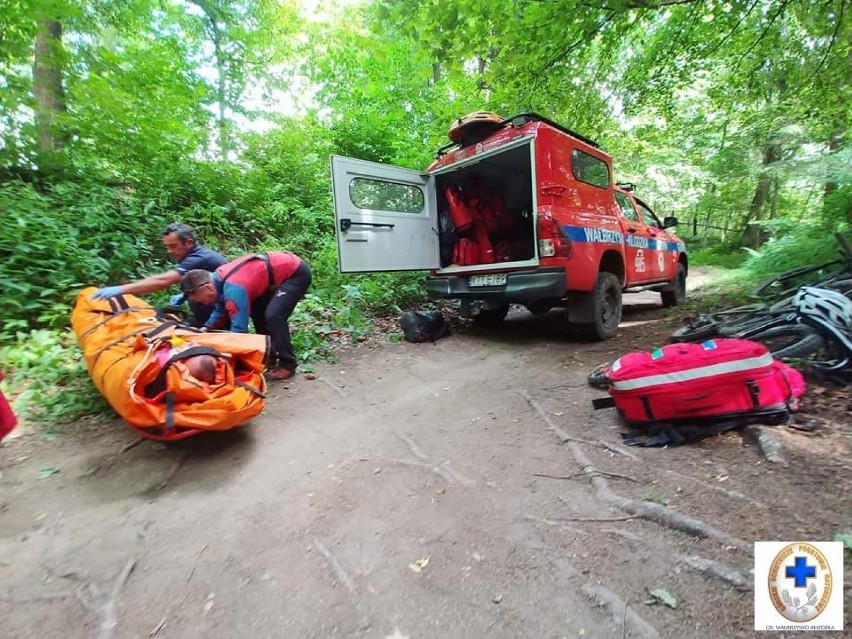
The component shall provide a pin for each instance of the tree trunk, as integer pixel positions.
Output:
(213, 15)
(47, 87)
(753, 234)
(835, 141)
(221, 97)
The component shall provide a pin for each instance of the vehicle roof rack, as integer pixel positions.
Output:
(527, 117)
(519, 120)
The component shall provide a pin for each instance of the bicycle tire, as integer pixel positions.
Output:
(841, 285)
(696, 331)
(708, 325)
(789, 282)
(805, 341)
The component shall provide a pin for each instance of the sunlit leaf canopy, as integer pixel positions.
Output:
(117, 116)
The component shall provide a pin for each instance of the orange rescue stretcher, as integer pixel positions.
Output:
(166, 380)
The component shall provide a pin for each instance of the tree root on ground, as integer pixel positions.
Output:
(565, 437)
(87, 594)
(733, 494)
(768, 445)
(343, 577)
(621, 613)
(715, 569)
(646, 510)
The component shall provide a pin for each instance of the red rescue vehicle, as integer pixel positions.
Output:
(518, 210)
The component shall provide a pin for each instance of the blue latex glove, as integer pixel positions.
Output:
(106, 292)
(176, 300)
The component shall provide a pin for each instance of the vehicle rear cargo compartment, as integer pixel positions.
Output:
(486, 212)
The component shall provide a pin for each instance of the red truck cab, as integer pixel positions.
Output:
(516, 210)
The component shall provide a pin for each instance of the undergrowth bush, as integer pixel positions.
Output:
(47, 379)
(723, 255)
(807, 244)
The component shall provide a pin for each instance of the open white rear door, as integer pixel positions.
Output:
(385, 217)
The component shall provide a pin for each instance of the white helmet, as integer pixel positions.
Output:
(825, 304)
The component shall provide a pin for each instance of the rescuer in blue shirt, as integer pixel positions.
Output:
(184, 249)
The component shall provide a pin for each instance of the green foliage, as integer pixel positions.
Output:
(720, 254)
(802, 245)
(47, 377)
(57, 241)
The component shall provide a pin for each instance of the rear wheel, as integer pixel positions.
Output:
(492, 316)
(677, 294)
(606, 306)
(792, 341)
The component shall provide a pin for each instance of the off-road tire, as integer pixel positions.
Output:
(677, 295)
(492, 317)
(606, 306)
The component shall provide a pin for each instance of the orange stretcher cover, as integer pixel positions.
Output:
(138, 362)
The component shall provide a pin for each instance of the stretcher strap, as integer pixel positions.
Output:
(117, 303)
(170, 411)
(129, 309)
(116, 342)
(131, 380)
(162, 328)
(250, 388)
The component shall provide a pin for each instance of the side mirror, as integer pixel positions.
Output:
(669, 221)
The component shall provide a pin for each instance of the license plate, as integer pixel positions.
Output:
(491, 279)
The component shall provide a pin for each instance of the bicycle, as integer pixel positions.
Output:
(835, 275)
(820, 324)
(786, 284)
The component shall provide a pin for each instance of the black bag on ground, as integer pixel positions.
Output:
(419, 326)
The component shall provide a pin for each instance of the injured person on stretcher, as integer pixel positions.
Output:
(202, 368)
(166, 380)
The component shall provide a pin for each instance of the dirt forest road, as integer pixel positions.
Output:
(459, 489)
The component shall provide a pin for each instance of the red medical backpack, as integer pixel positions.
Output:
(727, 382)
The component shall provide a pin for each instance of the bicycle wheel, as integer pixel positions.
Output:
(788, 283)
(697, 329)
(841, 285)
(740, 318)
(710, 325)
(787, 341)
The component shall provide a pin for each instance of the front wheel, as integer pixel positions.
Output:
(677, 295)
(606, 307)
